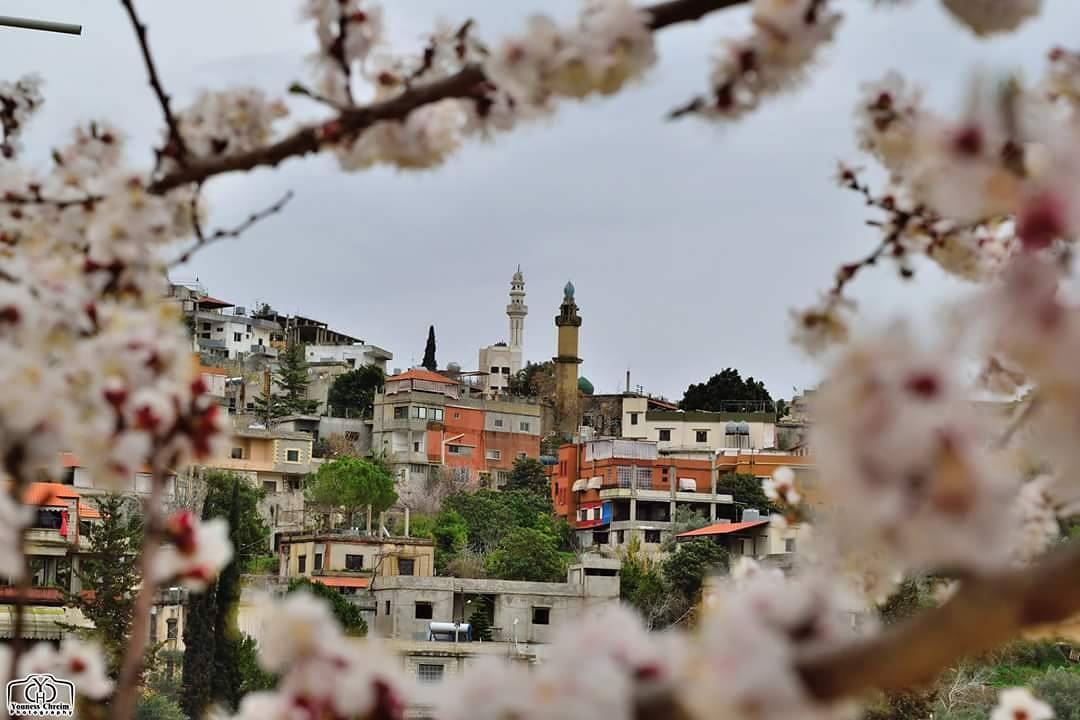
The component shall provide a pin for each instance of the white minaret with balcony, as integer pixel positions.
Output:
(501, 361)
(516, 311)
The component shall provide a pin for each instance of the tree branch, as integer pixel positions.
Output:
(468, 82)
(123, 704)
(985, 613)
(220, 234)
(176, 147)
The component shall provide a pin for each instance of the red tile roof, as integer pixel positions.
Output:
(207, 301)
(722, 529)
(422, 374)
(350, 582)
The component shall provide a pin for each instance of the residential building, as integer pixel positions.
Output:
(424, 424)
(501, 361)
(613, 490)
(349, 561)
(76, 475)
(57, 535)
(353, 355)
(234, 335)
(754, 536)
(762, 463)
(696, 432)
(275, 460)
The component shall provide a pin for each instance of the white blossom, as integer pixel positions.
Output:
(230, 122)
(1019, 704)
(83, 664)
(199, 551)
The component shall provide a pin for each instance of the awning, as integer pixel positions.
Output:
(41, 622)
(723, 529)
(579, 485)
(596, 483)
(688, 484)
(347, 582)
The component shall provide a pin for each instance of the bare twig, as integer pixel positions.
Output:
(298, 88)
(1020, 419)
(337, 51)
(123, 704)
(985, 613)
(203, 239)
(176, 147)
(469, 82)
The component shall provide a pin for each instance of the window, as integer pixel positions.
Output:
(416, 447)
(318, 562)
(459, 449)
(206, 326)
(521, 455)
(171, 628)
(84, 528)
(789, 545)
(665, 435)
(523, 426)
(387, 613)
(643, 478)
(457, 416)
(401, 412)
(634, 418)
(237, 453)
(506, 371)
(301, 564)
(270, 485)
(701, 436)
(624, 475)
(153, 627)
(436, 414)
(494, 370)
(498, 422)
(429, 672)
(652, 536)
(293, 482)
(352, 436)
(419, 413)
(249, 328)
(423, 611)
(494, 455)
(406, 566)
(292, 456)
(237, 337)
(354, 562)
(541, 615)
(620, 537)
(205, 335)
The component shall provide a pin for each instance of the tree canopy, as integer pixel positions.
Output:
(348, 484)
(353, 393)
(534, 380)
(292, 378)
(528, 475)
(747, 492)
(728, 391)
(346, 613)
(528, 554)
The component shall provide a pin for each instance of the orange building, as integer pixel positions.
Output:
(424, 423)
(612, 490)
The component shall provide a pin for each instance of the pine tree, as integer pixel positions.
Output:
(226, 679)
(481, 625)
(292, 378)
(110, 569)
(429, 351)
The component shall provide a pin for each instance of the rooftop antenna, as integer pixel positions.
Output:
(46, 25)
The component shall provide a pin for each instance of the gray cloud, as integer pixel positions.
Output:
(688, 243)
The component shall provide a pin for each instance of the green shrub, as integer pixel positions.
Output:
(1061, 689)
(261, 565)
(152, 706)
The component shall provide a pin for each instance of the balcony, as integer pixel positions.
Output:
(45, 536)
(414, 424)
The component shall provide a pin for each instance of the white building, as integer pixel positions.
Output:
(502, 360)
(697, 431)
(354, 356)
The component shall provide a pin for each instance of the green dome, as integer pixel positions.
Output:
(585, 386)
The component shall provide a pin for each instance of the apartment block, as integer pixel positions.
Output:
(425, 424)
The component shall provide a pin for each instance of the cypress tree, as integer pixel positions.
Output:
(196, 684)
(429, 351)
(226, 679)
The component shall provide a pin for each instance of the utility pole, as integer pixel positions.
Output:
(46, 25)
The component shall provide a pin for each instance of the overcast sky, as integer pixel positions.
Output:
(688, 243)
